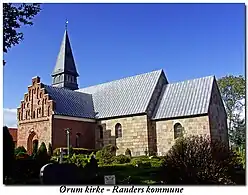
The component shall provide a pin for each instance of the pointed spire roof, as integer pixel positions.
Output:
(65, 61)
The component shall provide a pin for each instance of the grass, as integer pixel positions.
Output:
(128, 174)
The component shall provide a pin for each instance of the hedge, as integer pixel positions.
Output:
(75, 151)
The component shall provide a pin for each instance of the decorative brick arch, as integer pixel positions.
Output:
(31, 138)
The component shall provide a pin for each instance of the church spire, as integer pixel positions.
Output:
(65, 72)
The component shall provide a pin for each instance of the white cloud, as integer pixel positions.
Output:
(10, 117)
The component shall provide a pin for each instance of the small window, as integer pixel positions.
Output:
(100, 132)
(178, 130)
(33, 114)
(78, 135)
(118, 130)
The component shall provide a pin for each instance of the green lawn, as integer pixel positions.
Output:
(134, 175)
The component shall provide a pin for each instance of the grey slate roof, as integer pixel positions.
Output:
(126, 96)
(65, 61)
(185, 98)
(132, 95)
(71, 103)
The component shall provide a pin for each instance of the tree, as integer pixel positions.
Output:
(35, 148)
(8, 153)
(232, 89)
(238, 132)
(50, 150)
(15, 16)
(20, 150)
(42, 155)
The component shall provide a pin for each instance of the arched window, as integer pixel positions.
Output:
(178, 130)
(78, 135)
(118, 130)
(100, 132)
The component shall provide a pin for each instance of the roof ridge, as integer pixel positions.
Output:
(159, 70)
(192, 79)
(65, 89)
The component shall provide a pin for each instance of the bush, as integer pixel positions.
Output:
(26, 168)
(75, 151)
(20, 149)
(121, 159)
(240, 157)
(128, 152)
(79, 160)
(35, 148)
(50, 150)
(42, 155)
(8, 153)
(156, 162)
(198, 160)
(22, 155)
(142, 161)
(106, 154)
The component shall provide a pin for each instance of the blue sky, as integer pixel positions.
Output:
(112, 41)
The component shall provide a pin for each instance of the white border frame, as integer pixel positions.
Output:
(51, 190)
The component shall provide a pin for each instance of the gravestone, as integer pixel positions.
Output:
(109, 179)
(60, 174)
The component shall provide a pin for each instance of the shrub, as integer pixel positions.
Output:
(26, 168)
(121, 159)
(128, 152)
(75, 151)
(50, 150)
(141, 162)
(35, 149)
(106, 154)
(42, 155)
(79, 160)
(240, 157)
(22, 155)
(20, 149)
(156, 162)
(8, 153)
(198, 160)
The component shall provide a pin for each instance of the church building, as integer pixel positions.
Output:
(144, 113)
